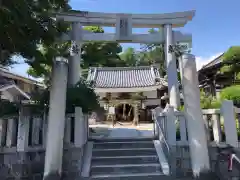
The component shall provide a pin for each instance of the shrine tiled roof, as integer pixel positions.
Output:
(214, 62)
(125, 77)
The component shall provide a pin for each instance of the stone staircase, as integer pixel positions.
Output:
(125, 159)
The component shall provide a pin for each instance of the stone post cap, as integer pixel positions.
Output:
(168, 108)
(188, 56)
(61, 59)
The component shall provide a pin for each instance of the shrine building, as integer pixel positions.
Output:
(130, 91)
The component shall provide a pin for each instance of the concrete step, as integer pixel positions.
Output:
(130, 176)
(123, 152)
(101, 139)
(127, 144)
(125, 160)
(120, 169)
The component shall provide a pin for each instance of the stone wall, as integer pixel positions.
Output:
(181, 163)
(25, 165)
(30, 165)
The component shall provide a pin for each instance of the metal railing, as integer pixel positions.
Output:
(159, 133)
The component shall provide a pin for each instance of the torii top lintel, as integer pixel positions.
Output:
(176, 19)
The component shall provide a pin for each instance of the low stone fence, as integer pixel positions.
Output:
(22, 145)
(222, 127)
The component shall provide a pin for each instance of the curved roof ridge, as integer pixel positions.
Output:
(124, 68)
(125, 77)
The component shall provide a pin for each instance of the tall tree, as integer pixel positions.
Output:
(129, 57)
(154, 53)
(100, 53)
(231, 63)
(27, 24)
(92, 54)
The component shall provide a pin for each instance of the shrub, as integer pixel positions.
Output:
(207, 102)
(81, 95)
(231, 93)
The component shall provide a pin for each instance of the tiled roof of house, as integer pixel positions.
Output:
(4, 72)
(214, 62)
(125, 77)
(6, 84)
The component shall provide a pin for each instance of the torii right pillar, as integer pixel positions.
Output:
(195, 124)
(171, 65)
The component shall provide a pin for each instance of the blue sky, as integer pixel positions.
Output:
(215, 26)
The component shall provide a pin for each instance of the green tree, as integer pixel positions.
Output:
(231, 63)
(92, 54)
(81, 95)
(27, 24)
(100, 53)
(129, 57)
(209, 102)
(231, 93)
(154, 54)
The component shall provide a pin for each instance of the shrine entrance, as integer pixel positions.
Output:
(124, 113)
(69, 71)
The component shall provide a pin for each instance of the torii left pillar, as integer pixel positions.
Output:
(56, 120)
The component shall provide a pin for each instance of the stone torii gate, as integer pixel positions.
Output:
(64, 70)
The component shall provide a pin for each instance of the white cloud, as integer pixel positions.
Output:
(201, 61)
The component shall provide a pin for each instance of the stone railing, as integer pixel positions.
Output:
(214, 126)
(222, 127)
(23, 133)
(23, 142)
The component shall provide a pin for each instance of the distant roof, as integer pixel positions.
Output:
(214, 62)
(6, 73)
(13, 89)
(125, 77)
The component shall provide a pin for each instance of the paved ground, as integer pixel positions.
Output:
(122, 131)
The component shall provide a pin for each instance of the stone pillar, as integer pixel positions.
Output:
(74, 71)
(36, 125)
(171, 136)
(216, 124)
(172, 77)
(195, 123)
(67, 130)
(11, 132)
(79, 133)
(44, 126)
(228, 112)
(3, 132)
(23, 129)
(218, 91)
(56, 119)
